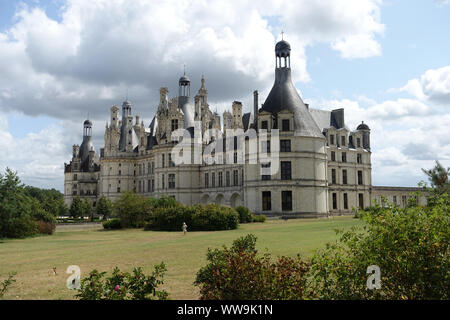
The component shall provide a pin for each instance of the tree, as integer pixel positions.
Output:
(439, 178)
(88, 209)
(76, 208)
(104, 207)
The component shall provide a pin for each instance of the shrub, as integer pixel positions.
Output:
(213, 217)
(411, 247)
(46, 227)
(5, 284)
(112, 224)
(239, 273)
(123, 285)
(258, 218)
(197, 218)
(245, 215)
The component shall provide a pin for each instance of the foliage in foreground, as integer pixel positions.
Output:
(112, 224)
(246, 216)
(411, 246)
(240, 273)
(5, 284)
(124, 285)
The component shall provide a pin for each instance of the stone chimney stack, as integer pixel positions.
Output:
(255, 109)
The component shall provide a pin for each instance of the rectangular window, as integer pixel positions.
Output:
(333, 156)
(163, 182)
(140, 187)
(331, 138)
(360, 177)
(220, 179)
(171, 181)
(153, 185)
(361, 200)
(286, 200)
(163, 160)
(344, 176)
(153, 167)
(118, 189)
(359, 158)
(394, 199)
(174, 123)
(235, 178)
(343, 140)
(285, 170)
(265, 176)
(206, 180)
(213, 180)
(285, 125)
(120, 172)
(149, 186)
(285, 145)
(358, 142)
(266, 201)
(75, 177)
(404, 201)
(264, 124)
(333, 176)
(334, 201)
(345, 201)
(227, 178)
(344, 157)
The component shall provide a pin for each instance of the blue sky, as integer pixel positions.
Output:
(385, 62)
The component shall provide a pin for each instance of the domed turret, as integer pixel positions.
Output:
(284, 95)
(363, 126)
(282, 49)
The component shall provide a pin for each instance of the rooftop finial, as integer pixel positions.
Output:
(184, 68)
(282, 33)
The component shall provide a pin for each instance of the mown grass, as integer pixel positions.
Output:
(92, 248)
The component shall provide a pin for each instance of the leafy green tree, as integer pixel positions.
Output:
(76, 208)
(88, 210)
(104, 207)
(439, 178)
(129, 209)
(16, 208)
(410, 245)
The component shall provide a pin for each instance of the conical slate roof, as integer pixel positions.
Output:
(284, 96)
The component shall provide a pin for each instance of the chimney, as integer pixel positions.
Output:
(255, 109)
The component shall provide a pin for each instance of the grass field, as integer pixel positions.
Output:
(92, 248)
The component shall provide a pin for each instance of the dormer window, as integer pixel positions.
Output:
(343, 140)
(264, 124)
(285, 125)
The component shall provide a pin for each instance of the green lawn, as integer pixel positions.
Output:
(93, 248)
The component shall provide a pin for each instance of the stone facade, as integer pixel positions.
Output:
(324, 167)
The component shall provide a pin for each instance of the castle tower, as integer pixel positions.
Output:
(365, 134)
(114, 117)
(184, 91)
(237, 114)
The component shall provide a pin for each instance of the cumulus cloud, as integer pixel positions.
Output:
(99, 50)
(38, 157)
(433, 85)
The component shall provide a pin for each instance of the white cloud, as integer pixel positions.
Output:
(38, 157)
(100, 49)
(433, 85)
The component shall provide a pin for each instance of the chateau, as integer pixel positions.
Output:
(314, 165)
